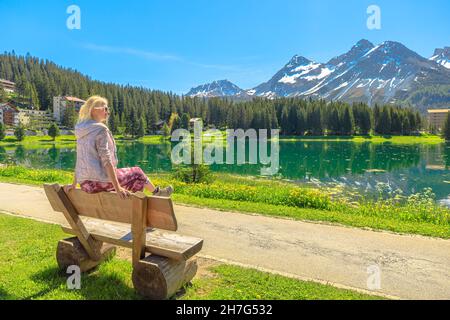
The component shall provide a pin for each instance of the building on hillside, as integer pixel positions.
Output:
(35, 119)
(60, 105)
(8, 86)
(24, 118)
(436, 118)
(9, 114)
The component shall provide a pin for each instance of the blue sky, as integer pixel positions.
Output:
(175, 45)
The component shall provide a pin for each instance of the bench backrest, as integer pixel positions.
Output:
(109, 206)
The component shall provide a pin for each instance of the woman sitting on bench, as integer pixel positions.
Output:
(96, 165)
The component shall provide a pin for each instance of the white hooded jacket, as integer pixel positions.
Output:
(95, 149)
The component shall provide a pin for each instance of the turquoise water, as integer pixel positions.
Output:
(360, 166)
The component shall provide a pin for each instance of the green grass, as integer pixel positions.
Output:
(419, 215)
(422, 139)
(12, 140)
(65, 139)
(28, 270)
(232, 282)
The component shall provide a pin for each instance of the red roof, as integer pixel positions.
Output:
(8, 106)
(6, 81)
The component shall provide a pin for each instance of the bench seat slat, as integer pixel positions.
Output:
(159, 242)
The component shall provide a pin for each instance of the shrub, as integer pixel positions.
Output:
(193, 174)
(19, 132)
(53, 131)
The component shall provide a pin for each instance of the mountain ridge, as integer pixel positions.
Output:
(386, 73)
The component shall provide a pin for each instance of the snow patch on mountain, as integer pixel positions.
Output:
(442, 57)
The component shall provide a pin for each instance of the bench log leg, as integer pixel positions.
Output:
(158, 278)
(71, 252)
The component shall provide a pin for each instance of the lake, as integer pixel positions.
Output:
(358, 166)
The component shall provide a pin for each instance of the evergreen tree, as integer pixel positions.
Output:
(396, 123)
(69, 116)
(446, 129)
(413, 120)
(347, 122)
(292, 119)
(152, 119)
(131, 126)
(365, 123)
(141, 128)
(21, 85)
(2, 131)
(376, 118)
(384, 125)
(34, 99)
(112, 122)
(185, 118)
(406, 126)
(53, 130)
(334, 124)
(285, 121)
(418, 122)
(19, 132)
(301, 122)
(3, 95)
(315, 121)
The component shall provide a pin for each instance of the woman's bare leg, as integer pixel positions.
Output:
(149, 186)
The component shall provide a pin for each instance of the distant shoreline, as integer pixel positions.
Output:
(156, 139)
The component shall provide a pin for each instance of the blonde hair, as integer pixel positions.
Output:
(86, 108)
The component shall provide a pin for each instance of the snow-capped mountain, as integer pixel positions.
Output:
(442, 56)
(218, 88)
(299, 74)
(384, 73)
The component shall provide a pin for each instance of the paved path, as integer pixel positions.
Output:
(412, 267)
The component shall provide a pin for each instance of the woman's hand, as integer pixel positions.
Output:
(123, 193)
(69, 187)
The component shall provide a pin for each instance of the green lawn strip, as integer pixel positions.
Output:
(42, 141)
(423, 139)
(349, 218)
(158, 139)
(37, 140)
(28, 270)
(233, 282)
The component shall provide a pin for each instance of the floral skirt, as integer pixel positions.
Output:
(133, 179)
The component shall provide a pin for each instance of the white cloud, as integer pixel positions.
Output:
(149, 55)
(154, 56)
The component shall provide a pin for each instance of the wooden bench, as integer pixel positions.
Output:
(144, 224)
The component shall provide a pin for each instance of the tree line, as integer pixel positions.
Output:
(138, 111)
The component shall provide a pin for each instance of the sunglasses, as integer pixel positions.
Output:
(105, 108)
